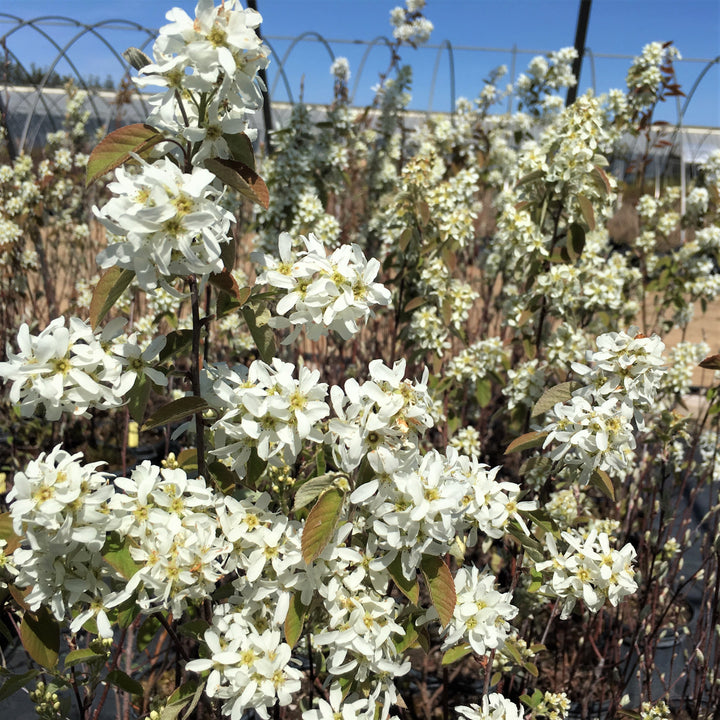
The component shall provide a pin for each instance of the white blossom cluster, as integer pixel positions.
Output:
(494, 707)
(408, 23)
(481, 613)
(478, 360)
(175, 536)
(61, 508)
(589, 569)
(322, 293)
(216, 55)
(381, 419)
(265, 408)
(167, 223)
(71, 369)
(595, 429)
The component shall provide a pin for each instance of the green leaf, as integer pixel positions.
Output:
(193, 628)
(242, 177)
(294, 620)
(483, 392)
(114, 149)
(587, 211)
(147, 631)
(255, 468)
(441, 586)
(110, 287)
(84, 655)
(136, 58)
(241, 148)
(525, 442)
(187, 459)
(320, 524)
(409, 639)
(225, 478)
(541, 518)
(116, 553)
(16, 682)
(575, 243)
(534, 701)
(261, 332)
(557, 394)
(123, 681)
(176, 342)
(176, 410)
(409, 588)
(189, 692)
(455, 653)
(309, 490)
(8, 534)
(530, 177)
(40, 635)
(602, 481)
(138, 397)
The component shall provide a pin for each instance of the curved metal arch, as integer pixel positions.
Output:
(590, 54)
(63, 53)
(451, 57)
(697, 82)
(281, 70)
(363, 60)
(291, 47)
(41, 96)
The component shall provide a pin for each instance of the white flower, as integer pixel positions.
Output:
(170, 221)
(494, 707)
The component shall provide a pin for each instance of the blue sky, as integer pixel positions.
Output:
(617, 27)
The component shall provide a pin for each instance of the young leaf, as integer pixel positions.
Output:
(456, 653)
(525, 442)
(309, 490)
(320, 524)
(602, 481)
(225, 282)
(416, 302)
(176, 410)
(587, 211)
(294, 620)
(109, 288)
(123, 681)
(409, 588)
(712, 362)
(114, 149)
(243, 178)
(441, 586)
(116, 553)
(136, 58)
(40, 636)
(557, 394)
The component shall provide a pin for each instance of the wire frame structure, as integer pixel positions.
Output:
(30, 108)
